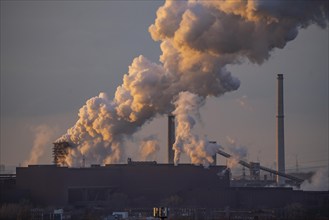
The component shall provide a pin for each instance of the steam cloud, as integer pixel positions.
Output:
(319, 181)
(238, 152)
(43, 135)
(198, 149)
(149, 146)
(198, 39)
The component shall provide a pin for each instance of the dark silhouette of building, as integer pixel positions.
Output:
(142, 182)
(148, 184)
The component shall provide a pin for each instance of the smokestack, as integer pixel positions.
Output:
(280, 132)
(214, 157)
(171, 138)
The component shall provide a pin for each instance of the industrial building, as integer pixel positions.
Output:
(137, 181)
(141, 186)
(147, 184)
(186, 188)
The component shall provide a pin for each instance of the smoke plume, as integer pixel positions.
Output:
(318, 182)
(43, 136)
(149, 146)
(200, 150)
(198, 39)
(238, 152)
(235, 149)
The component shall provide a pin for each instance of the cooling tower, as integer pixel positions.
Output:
(280, 131)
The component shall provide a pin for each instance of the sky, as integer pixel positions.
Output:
(55, 55)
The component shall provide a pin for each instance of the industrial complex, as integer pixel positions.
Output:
(188, 191)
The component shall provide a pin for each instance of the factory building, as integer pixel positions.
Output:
(148, 184)
(147, 181)
(136, 185)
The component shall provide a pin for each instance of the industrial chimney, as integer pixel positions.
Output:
(214, 157)
(280, 132)
(171, 138)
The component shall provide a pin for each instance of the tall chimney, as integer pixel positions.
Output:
(171, 138)
(214, 157)
(280, 132)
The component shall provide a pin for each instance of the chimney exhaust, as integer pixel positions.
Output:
(280, 132)
(171, 138)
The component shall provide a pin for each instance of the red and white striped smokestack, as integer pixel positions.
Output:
(280, 132)
(171, 138)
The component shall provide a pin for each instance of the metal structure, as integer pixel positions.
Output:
(171, 138)
(254, 166)
(254, 170)
(60, 151)
(280, 132)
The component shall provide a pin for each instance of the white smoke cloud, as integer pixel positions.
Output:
(198, 39)
(149, 147)
(200, 150)
(238, 152)
(318, 182)
(230, 30)
(43, 136)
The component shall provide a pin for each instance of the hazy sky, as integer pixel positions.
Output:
(56, 55)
